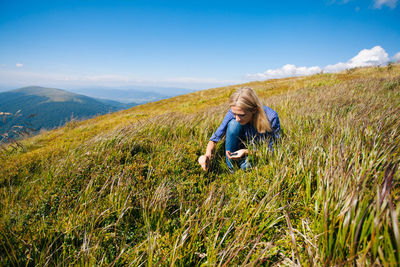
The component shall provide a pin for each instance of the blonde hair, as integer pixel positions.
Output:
(246, 98)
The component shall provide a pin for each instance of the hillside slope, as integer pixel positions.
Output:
(125, 188)
(42, 107)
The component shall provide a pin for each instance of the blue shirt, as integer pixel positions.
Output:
(250, 132)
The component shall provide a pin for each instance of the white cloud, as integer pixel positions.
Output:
(377, 4)
(19, 65)
(390, 3)
(336, 67)
(339, 2)
(285, 71)
(366, 57)
(370, 57)
(396, 58)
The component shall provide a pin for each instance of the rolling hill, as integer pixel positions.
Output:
(126, 189)
(132, 94)
(48, 107)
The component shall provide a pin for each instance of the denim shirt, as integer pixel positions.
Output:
(251, 134)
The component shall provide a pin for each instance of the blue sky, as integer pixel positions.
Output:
(189, 44)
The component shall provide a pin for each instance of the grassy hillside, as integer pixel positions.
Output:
(125, 188)
(47, 107)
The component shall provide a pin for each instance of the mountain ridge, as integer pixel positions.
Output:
(136, 94)
(51, 107)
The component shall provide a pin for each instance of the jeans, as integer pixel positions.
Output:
(233, 142)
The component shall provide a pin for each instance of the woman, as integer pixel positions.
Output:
(247, 121)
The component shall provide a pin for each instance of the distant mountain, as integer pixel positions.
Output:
(167, 91)
(49, 107)
(132, 94)
(116, 104)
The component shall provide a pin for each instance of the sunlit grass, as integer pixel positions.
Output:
(125, 188)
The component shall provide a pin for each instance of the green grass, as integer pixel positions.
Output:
(126, 189)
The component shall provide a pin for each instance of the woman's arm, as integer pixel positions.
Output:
(204, 160)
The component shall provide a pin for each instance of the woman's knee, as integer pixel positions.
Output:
(234, 128)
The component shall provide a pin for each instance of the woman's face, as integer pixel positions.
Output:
(242, 116)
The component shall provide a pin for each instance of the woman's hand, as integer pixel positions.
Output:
(204, 162)
(237, 154)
